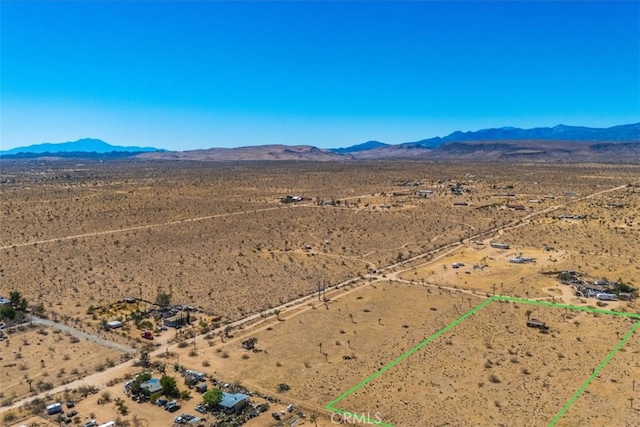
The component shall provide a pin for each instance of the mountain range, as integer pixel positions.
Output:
(558, 143)
(86, 145)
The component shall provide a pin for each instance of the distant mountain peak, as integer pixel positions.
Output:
(84, 145)
(365, 146)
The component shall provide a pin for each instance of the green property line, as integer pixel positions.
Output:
(567, 306)
(330, 406)
(391, 364)
(594, 374)
(363, 418)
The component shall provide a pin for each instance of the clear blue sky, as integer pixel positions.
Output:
(185, 75)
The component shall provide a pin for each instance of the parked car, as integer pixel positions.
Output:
(276, 416)
(201, 409)
(172, 406)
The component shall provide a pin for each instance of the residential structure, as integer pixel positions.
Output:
(151, 386)
(233, 403)
(177, 321)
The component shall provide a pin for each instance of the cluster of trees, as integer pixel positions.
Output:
(16, 308)
(620, 287)
(211, 398)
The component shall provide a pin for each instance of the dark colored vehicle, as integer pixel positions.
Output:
(276, 416)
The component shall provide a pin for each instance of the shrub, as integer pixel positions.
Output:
(9, 417)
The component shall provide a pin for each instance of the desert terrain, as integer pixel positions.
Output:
(77, 239)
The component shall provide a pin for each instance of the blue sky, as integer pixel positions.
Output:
(186, 75)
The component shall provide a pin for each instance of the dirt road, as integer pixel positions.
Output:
(391, 272)
(82, 335)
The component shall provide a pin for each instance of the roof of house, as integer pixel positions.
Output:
(229, 400)
(152, 385)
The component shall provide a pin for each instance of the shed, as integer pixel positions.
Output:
(535, 323)
(54, 408)
(201, 388)
(114, 324)
(500, 245)
(231, 403)
(198, 376)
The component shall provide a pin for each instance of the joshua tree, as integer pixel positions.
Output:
(145, 360)
(29, 381)
(528, 313)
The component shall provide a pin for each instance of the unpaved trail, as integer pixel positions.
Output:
(82, 335)
(100, 379)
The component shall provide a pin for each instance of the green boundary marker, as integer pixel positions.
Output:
(567, 306)
(594, 374)
(330, 406)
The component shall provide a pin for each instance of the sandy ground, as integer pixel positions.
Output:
(48, 358)
(217, 238)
